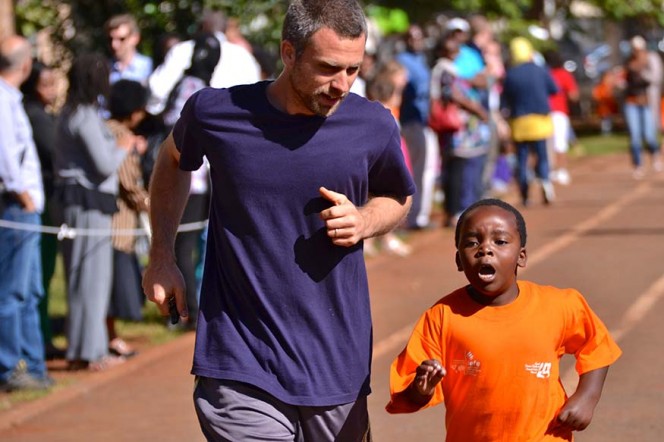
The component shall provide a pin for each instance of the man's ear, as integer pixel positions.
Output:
(287, 53)
(523, 257)
(457, 258)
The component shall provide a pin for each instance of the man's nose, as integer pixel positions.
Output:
(342, 82)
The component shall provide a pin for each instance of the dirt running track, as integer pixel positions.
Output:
(604, 236)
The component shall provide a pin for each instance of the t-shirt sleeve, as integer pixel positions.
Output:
(586, 336)
(389, 175)
(426, 342)
(188, 135)
(570, 83)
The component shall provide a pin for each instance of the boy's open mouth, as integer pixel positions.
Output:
(486, 272)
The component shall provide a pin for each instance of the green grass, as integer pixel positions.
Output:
(601, 145)
(151, 330)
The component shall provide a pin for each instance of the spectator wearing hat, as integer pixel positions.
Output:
(525, 98)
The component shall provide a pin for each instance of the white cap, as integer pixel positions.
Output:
(457, 24)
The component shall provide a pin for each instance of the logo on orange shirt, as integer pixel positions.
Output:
(540, 369)
(468, 366)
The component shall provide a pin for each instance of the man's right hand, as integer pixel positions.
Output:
(163, 280)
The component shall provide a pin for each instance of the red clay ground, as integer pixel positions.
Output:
(604, 236)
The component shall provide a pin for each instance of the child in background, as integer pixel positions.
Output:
(563, 133)
(605, 100)
(491, 350)
(127, 107)
(386, 87)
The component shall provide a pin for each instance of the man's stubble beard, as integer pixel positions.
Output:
(309, 101)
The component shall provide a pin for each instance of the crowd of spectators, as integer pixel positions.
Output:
(89, 166)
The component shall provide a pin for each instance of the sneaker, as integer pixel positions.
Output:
(20, 379)
(397, 247)
(563, 178)
(657, 164)
(548, 192)
(638, 173)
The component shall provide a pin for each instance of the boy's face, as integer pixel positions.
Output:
(489, 252)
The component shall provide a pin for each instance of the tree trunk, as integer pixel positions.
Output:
(6, 18)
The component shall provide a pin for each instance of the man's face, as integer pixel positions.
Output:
(415, 39)
(489, 252)
(123, 42)
(323, 74)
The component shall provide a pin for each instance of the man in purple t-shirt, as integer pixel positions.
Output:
(302, 172)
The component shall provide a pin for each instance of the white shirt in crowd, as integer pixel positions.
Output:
(236, 66)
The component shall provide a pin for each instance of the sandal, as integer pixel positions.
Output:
(106, 362)
(119, 347)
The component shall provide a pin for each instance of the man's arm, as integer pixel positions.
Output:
(347, 224)
(169, 190)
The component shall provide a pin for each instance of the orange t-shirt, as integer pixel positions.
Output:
(503, 380)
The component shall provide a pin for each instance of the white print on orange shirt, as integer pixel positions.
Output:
(541, 369)
(468, 366)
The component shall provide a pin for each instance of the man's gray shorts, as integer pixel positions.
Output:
(234, 411)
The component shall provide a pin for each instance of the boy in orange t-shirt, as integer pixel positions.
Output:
(491, 350)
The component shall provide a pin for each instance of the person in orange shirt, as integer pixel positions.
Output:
(604, 94)
(491, 350)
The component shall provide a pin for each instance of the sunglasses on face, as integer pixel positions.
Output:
(120, 39)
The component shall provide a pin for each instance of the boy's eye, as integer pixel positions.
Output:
(501, 242)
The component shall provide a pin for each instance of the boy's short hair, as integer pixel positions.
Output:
(520, 222)
(127, 97)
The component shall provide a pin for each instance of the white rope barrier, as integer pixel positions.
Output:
(66, 232)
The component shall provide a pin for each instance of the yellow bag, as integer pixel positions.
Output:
(532, 127)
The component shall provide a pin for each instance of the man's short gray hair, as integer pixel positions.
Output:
(304, 17)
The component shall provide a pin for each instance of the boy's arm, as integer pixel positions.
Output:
(578, 410)
(428, 374)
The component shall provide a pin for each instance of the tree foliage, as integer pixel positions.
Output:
(78, 24)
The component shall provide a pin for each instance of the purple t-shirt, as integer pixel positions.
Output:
(282, 308)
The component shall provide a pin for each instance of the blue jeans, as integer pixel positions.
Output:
(472, 187)
(20, 292)
(523, 150)
(641, 126)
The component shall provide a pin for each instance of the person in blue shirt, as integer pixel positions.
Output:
(414, 116)
(22, 364)
(302, 171)
(126, 62)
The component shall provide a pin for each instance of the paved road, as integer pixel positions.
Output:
(604, 236)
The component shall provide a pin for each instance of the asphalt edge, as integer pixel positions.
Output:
(28, 410)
